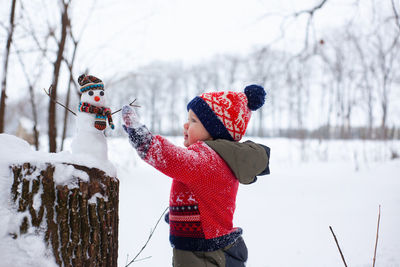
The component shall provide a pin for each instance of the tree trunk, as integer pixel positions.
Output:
(5, 68)
(53, 93)
(35, 116)
(71, 81)
(79, 221)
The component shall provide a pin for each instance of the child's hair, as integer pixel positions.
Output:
(225, 115)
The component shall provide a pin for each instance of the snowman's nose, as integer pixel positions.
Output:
(97, 98)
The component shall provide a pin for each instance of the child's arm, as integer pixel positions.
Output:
(177, 162)
(139, 136)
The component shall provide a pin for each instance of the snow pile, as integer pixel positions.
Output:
(27, 250)
(15, 150)
(30, 249)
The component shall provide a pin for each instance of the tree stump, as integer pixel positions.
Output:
(79, 220)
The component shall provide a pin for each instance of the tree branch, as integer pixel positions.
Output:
(151, 234)
(377, 233)
(33, 34)
(337, 244)
(3, 26)
(55, 101)
(312, 10)
(32, 97)
(130, 104)
(396, 15)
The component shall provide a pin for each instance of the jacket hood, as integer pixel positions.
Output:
(247, 160)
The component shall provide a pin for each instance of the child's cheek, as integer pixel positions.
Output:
(192, 138)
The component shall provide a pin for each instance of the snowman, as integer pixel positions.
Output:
(91, 119)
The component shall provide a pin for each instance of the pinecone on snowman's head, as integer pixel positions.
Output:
(89, 82)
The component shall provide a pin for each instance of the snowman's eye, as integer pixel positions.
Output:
(101, 93)
(91, 93)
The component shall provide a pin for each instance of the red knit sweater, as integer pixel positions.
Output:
(203, 195)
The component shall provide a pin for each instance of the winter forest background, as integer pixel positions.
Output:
(331, 68)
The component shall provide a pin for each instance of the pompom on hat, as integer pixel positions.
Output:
(89, 82)
(225, 115)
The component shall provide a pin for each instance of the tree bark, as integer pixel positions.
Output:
(5, 67)
(79, 221)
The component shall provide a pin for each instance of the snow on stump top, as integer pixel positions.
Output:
(72, 209)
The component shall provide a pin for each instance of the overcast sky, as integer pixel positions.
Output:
(121, 35)
(132, 33)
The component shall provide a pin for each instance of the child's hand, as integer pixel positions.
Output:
(139, 136)
(130, 118)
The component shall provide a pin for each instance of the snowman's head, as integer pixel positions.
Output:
(92, 90)
(94, 97)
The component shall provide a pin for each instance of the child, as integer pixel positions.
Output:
(206, 174)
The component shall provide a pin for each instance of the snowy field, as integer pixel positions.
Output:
(285, 216)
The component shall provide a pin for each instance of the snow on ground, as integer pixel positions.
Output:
(285, 216)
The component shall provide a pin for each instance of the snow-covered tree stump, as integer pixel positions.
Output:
(79, 218)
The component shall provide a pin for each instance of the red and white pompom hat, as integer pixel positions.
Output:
(225, 115)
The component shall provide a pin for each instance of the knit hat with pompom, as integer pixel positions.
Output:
(225, 115)
(89, 82)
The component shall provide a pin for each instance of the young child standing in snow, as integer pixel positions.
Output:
(206, 174)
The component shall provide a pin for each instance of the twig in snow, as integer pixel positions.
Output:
(148, 239)
(337, 244)
(377, 233)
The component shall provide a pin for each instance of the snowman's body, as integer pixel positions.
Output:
(88, 140)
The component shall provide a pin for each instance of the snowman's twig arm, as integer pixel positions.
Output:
(130, 104)
(55, 101)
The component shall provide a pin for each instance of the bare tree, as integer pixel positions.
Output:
(340, 72)
(5, 66)
(261, 68)
(174, 88)
(385, 48)
(52, 123)
(297, 94)
(396, 14)
(70, 83)
(310, 13)
(365, 82)
(31, 86)
(70, 65)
